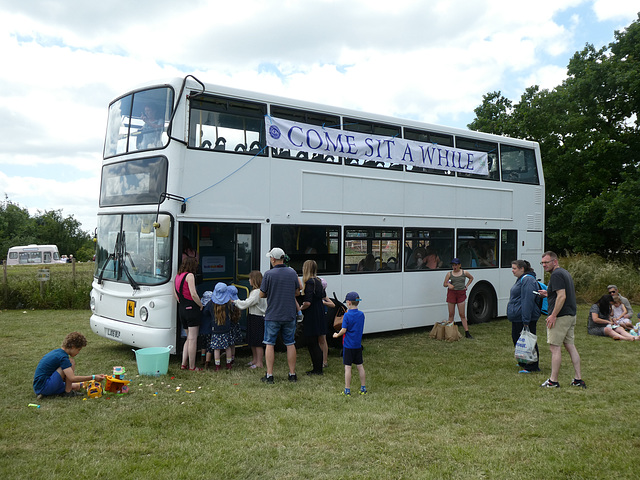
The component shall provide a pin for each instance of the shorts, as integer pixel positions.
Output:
(352, 355)
(456, 296)
(54, 385)
(273, 327)
(562, 331)
(190, 315)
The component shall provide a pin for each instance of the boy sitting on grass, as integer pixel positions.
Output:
(55, 373)
(352, 327)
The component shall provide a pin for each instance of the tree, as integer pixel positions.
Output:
(589, 138)
(17, 227)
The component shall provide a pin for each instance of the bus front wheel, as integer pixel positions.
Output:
(481, 304)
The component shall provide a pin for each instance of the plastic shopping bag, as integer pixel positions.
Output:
(525, 350)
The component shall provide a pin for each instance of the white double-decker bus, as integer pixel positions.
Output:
(381, 204)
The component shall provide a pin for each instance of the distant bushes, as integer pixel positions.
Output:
(591, 274)
(62, 291)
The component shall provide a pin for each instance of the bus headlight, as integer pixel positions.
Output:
(144, 314)
(92, 304)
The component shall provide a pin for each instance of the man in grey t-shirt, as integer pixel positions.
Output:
(280, 286)
(561, 320)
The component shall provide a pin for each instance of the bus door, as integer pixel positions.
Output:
(227, 253)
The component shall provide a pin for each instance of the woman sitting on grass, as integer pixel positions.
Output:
(601, 323)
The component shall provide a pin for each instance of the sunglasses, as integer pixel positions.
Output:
(612, 292)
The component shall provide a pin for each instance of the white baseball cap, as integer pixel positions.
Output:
(276, 253)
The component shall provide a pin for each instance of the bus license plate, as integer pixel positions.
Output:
(109, 332)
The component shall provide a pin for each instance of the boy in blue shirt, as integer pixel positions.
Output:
(56, 371)
(352, 327)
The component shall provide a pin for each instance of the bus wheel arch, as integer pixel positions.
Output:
(482, 303)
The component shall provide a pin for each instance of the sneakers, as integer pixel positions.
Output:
(549, 384)
(346, 392)
(293, 378)
(468, 335)
(268, 380)
(578, 383)
(363, 390)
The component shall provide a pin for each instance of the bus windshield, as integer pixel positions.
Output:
(131, 250)
(139, 121)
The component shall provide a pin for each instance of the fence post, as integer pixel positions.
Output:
(73, 270)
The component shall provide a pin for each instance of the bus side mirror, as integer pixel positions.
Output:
(162, 226)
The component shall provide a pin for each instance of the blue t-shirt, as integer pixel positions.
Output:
(53, 360)
(280, 285)
(353, 321)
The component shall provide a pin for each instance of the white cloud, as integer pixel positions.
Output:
(64, 62)
(616, 9)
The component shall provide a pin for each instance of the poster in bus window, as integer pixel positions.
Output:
(213, 264)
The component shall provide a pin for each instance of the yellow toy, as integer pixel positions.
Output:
(94, 388)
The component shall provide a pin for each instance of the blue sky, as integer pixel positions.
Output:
(63, 62)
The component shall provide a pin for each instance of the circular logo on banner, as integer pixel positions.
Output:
(274, 132)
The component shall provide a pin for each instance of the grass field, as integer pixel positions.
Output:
(435, 410)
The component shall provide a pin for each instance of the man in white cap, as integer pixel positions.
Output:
(280, 286)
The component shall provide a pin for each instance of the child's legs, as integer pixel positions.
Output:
(361, 373)
(258, 353)
(55, 384)
(347, 376)
(216, 356)
(228, 351)
(463, 317)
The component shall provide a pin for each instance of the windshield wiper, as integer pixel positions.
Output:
(123, 264)
(112, 256)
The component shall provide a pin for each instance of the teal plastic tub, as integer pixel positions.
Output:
(153, 361)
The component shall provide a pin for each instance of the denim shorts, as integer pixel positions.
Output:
(287, 328)
(54, 386)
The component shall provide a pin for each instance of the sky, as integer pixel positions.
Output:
(63, 62)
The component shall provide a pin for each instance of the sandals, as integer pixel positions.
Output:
(184, 367)
(196, 369)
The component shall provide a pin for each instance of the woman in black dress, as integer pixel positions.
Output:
(314, 324)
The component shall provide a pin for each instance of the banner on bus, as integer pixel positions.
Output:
(330, 141)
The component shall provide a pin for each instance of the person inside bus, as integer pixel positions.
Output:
(416, 259)
(432, 260)
(187, 249)
(151, 132)
(367, 264)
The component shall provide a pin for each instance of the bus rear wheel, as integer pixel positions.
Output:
(481, 304)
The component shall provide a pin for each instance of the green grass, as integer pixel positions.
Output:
(436, 410)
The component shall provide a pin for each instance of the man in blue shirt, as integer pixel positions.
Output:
(352, 328)
(280, 286)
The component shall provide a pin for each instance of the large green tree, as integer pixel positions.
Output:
(18, 227)
(588, 130)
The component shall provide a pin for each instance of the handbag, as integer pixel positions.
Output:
(525, 351)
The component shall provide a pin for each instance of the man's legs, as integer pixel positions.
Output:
(291, 359)
(269, 355)
(556, 360)
(575, 359)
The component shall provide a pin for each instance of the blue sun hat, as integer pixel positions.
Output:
(233, 292)
(220, 294)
